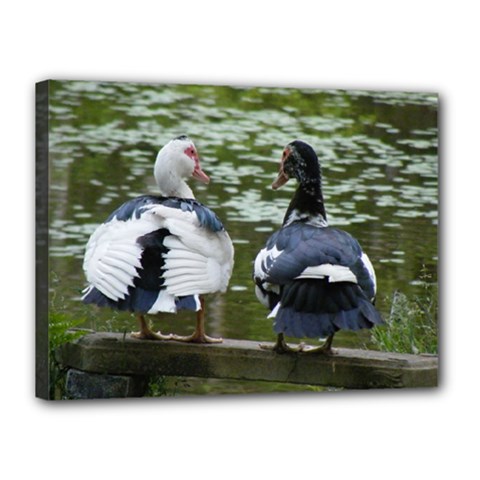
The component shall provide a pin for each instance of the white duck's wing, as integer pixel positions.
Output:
(157, 254)
(200, 253)
(114, 262)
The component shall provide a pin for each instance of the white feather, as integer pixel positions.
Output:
(165, 302)
(122, 264)
(262, 297)
(198, 261)
(335, 273)
(180, 249)
(178, 262)
(113, 254)
(261, 258)
(179, 253)
(185, 270)
(274, 312)
(172, 213)
(121, 279)
(109, 287)
(368, 265)
(181, 285)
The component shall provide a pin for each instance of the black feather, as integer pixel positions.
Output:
(318, 308)
(136, 207)
(152, 260)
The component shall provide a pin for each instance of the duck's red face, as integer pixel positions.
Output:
(282, 177)
(198, 173)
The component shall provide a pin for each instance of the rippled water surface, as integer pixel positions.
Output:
(379, 156)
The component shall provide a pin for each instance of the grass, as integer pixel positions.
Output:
(411, 326)
(162, 386)
(61, 329)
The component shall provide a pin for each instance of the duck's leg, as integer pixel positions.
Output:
(199, 335)
(146, 334)
(281, 346)
(326, 348)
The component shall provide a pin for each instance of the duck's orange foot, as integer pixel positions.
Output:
(281, 346)
(149, 335)
(197, 337)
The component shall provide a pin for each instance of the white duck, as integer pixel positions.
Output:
(161, 253)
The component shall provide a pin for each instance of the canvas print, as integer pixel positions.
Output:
(204, 239)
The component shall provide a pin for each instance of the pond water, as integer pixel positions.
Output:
(380, 167)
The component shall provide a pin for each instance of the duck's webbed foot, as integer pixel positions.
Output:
(325, 349)
(149, 335)
(146, 333)
(197, 337)
(281, 346)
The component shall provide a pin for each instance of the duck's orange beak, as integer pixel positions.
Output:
(199, 174)
(282, 177)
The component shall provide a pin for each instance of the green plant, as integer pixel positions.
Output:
(160, 386)
(411, 326)
(61, 329)
(157, 387)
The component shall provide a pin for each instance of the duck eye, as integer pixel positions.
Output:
(190, 152)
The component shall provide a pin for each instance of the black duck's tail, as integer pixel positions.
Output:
(317, 308)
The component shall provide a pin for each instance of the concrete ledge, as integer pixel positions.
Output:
(118, 354)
